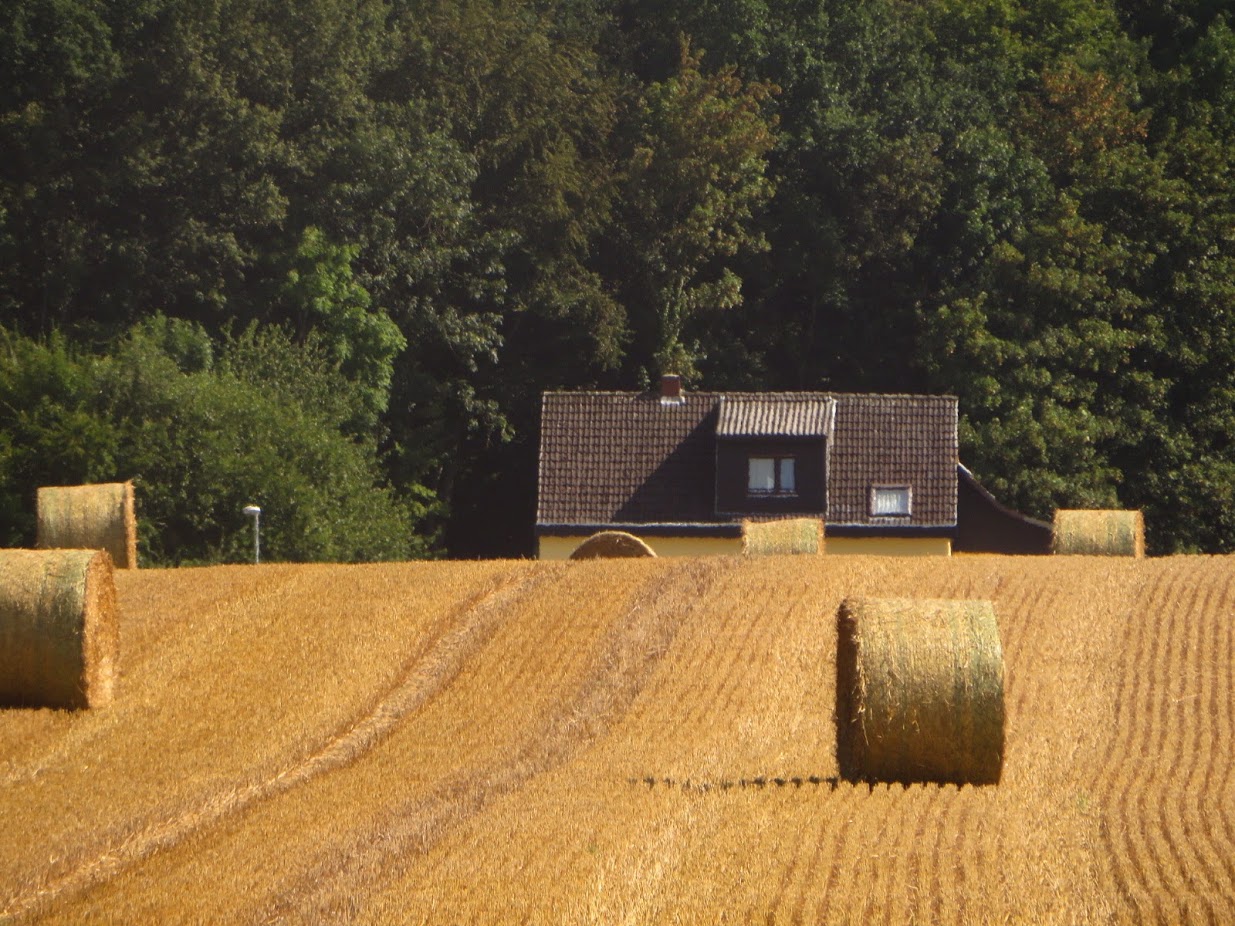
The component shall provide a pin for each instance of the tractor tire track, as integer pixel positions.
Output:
(338, 887)
(430, 670)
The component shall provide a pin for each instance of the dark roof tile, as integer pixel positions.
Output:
(620, 457)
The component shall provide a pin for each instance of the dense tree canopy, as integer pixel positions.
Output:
(364, 235)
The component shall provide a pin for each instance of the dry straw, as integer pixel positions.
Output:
(609, 544)
(90, 517)
(919, 691)
(59, 636)
(786, 535)
(1099, 533)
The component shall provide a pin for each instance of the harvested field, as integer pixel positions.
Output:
(644, 741)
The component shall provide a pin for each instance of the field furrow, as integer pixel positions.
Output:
(748, 659)
(1185, 811)
(1220, 662)
(846, 872)
(419, 681)
(728, 655)
(641, 742)
(1220, 777)
(1134, 848)
(893, 893)
(617, 672)
(1157, 780)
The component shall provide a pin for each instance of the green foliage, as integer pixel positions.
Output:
(695, 181)
(321, 291)
(201, 441)
(392, 223)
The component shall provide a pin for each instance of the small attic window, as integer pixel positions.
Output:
(891, 501)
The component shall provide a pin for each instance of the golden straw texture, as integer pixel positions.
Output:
(90, 517)
(59, 634)
(919, 691)
(610, 544)
(1099, 532)
(786, 535)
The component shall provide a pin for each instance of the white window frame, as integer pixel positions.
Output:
(778, 473)
(880, 488)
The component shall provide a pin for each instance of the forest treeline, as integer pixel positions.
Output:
(324, 255)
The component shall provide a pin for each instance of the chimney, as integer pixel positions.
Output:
(671, 389)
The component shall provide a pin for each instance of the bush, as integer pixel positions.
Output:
(203, 430)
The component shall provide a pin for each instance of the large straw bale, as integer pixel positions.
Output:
(1099, 532)
(59, 635)
(784, 535)
(919, 691)
(607, 544)
(90, 517)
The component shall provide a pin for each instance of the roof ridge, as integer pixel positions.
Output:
(789, 393)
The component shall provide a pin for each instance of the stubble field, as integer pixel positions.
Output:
(621, 742)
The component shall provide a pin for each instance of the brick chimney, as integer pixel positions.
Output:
(671, 389)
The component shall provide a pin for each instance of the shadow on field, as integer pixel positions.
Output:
(730, 784)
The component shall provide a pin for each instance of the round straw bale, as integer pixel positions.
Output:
(919, 691)
(59, 637)
(607, 544)
(89, 517)
(784, 535)
(1099, 532)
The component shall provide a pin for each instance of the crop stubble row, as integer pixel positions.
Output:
(1165, 786)
(514, 794)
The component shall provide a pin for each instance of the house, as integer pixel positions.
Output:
(682, 471)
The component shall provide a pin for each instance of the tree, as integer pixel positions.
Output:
(321, 293)
(695, 179)
(203, 430)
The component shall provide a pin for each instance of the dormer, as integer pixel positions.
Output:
(772, 454)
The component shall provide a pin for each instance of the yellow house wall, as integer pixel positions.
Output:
(888, 546)
(562, 547)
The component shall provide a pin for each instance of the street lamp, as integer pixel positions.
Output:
(254, 512)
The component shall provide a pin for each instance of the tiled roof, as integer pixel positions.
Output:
(774, 415)
(894, 440)
(621, 457)
(628, 458)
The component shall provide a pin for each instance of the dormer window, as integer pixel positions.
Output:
(891, 501)
(771, 476)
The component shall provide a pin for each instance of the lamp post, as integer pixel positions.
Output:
(254, 512)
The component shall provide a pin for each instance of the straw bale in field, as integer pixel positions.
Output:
(785, 535)
(1099, 532)
(89, 517)
(919, 691)
(608, 544)
(59, 637)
